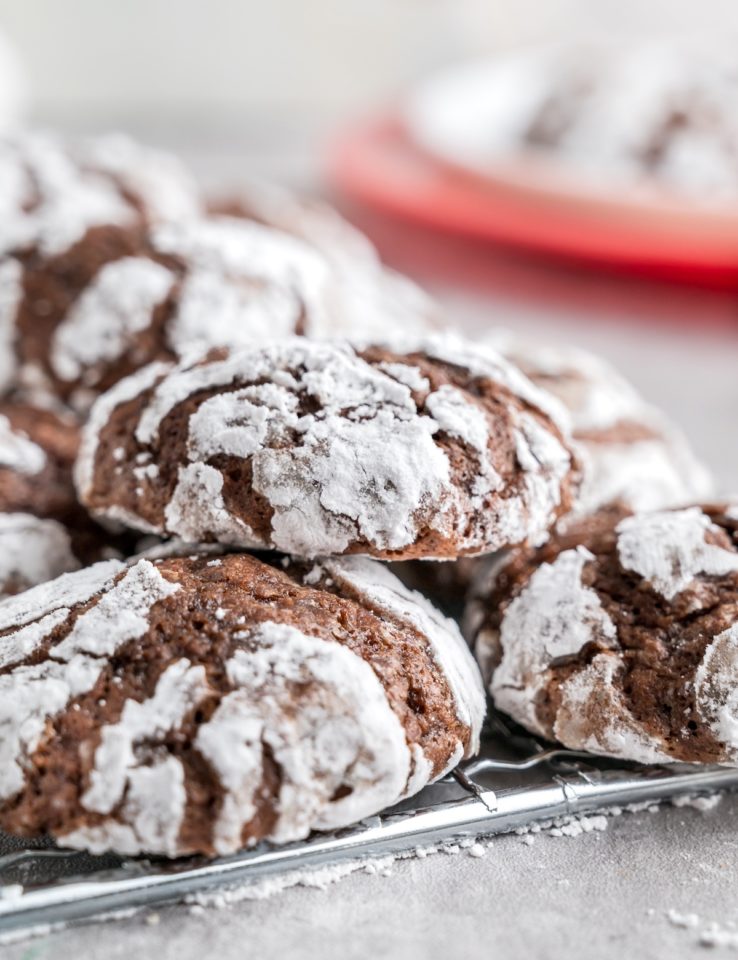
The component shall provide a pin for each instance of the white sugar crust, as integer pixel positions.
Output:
(124, 390)
(604, 107)
(716, 689)
(364, 465)
(30, 694)
(162, 184)
(32, 551)
(11, 295)
(102, 323)
(555, 615)
(669, 550)
(593, 715)
(53, 191)
(382, 591)
(342, 732)
(368, 299)
(18, 452)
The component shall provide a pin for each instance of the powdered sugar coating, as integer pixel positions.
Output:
(373, 299)
(716, 687)
(18, 452)
(30, 694)
(53, 192)
(346, 456)
(669, 550)
(11, 294)
(162, 185)
(116, 305)
(555, 615)
(32, 551)
(345, 732)
(381, 590)
(594, 715)
(654, 117)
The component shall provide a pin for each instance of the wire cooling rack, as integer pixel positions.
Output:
(515, 782)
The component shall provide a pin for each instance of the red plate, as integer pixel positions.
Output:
(378, 165)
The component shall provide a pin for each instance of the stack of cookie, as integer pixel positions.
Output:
(220, 428)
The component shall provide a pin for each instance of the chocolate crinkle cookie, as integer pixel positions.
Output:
(439, 448)
(633, 456)
(43, 529)
(199, 705)
(620, 636)
(60, 200)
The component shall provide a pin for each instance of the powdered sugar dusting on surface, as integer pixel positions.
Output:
(32, 551)
(55, 203)
(553, 616)
(382, 591)
(102, 323)
(593, 392)
(244, 282)
(591, 694)
(55, 191)
(65, 591)
(31, 694)
(343, 733)
(197, 510)
(178, 690)
(160, 180)
(716, 688)
(669, 549)
(18, 452)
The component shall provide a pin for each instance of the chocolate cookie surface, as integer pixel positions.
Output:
(202, 704)
(438, 451)
(620, 636)
(633, 456)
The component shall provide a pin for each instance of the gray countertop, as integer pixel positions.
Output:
(602, 894)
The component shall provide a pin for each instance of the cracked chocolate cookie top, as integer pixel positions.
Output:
(201, 704)
(633, 456)
(439, 448)
(620, 636)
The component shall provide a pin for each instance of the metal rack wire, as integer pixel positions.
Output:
(515, 782)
